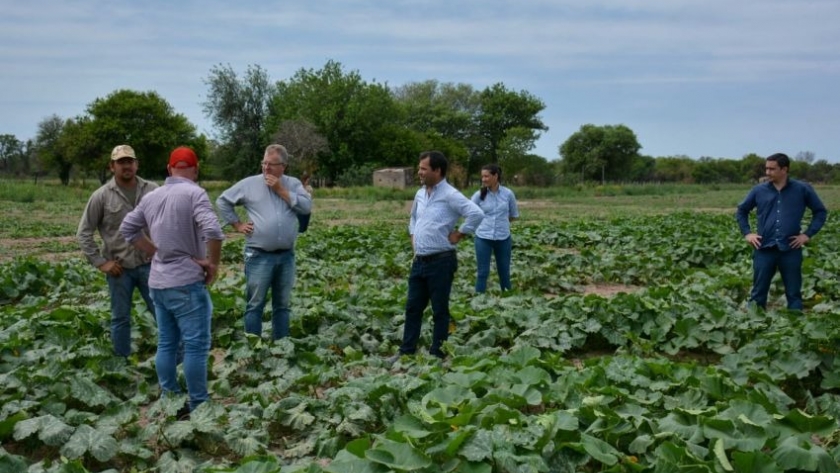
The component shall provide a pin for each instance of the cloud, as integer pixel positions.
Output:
(588, 60)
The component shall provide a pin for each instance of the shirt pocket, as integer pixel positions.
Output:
(115, 212)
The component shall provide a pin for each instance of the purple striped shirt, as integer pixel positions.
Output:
(181, 220)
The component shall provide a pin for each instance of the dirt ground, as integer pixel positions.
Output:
(43, 248)
(608, 290)
(327, 212)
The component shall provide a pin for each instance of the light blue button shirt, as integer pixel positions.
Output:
(275, 220)
(434, 216)
(498, 207)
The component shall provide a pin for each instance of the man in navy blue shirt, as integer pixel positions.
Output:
(778, 240)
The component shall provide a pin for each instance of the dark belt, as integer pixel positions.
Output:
(434, 256)
(274, 252)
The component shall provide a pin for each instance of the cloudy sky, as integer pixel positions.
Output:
(716, 78)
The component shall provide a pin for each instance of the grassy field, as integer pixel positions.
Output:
(41, 219)
(625, 346)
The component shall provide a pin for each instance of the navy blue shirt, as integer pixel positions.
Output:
(780, 212)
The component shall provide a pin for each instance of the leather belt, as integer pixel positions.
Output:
(275, 252)
(434, 256)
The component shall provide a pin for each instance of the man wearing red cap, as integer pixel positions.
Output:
(126, 268)
(186, 241)
(273, 201)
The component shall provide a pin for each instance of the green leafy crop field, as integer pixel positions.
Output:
(625, 346)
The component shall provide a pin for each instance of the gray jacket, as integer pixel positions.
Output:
(105, 212)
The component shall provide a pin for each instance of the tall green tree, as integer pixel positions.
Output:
(49, 148)
(751, 168)
(442, 116)
(505, 115)
(304, 144)
(11, 153)
(600, 152)
(514, 146)
(529, 169)
(239, 108)
(823, 171)
(354, 116)
(79, 143)
(143, 120)
(643, 169)
(492, 125)
(446, 110)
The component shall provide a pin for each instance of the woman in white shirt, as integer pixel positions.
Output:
(493, 235)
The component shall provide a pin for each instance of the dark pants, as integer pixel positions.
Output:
(789, 263)
(430, 280)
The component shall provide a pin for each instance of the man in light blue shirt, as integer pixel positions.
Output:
(437, 208)
(273, 202)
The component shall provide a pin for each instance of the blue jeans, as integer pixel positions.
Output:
(429, 281)
(183, 314)
(789, 263)
(264, 271)
(502, 250)
(121, 289)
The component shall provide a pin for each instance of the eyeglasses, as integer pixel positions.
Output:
(265, 164)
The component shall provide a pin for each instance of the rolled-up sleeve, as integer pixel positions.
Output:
(471, 212)
(228, 200)
(206, 218)
(302, 200)
(133, 224)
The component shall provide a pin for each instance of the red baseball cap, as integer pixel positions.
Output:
(182, 158)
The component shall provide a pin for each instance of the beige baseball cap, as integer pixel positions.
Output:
(122, 151)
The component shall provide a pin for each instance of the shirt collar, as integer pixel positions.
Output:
(773, 186)
(434, 187)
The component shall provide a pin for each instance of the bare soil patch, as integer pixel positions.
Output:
(11, 248)
(605, 290)
(609, 290)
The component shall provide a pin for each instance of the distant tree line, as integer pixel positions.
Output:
(82, 145)
(611, 154)
(339, 128)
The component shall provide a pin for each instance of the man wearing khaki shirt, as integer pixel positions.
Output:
(126, 268)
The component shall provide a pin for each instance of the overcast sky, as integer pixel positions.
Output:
(718, 78)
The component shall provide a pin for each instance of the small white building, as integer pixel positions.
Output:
(397, 178)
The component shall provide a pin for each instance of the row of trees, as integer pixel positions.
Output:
(339, 128)
(335, 124)
(83, 143)
(611, 153)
